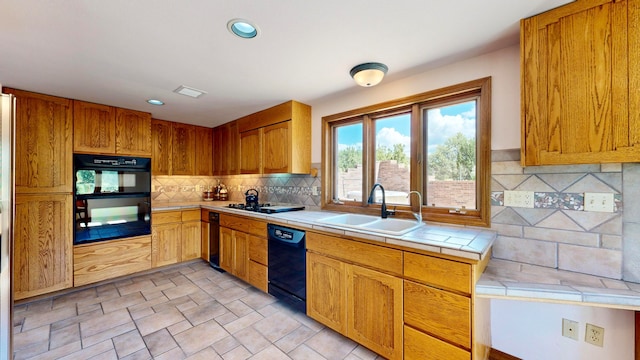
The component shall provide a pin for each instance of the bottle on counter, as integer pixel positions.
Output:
(223, 193)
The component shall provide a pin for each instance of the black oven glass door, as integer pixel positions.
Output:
(112, 198)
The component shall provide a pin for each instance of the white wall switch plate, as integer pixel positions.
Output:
(518, 199)
(602, 202)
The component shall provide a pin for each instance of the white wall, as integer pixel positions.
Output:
(503, 66)
(533, 331)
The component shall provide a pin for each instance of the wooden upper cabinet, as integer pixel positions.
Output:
(133, 132)
(250, 156)
(276, 148)
(102, 129)
(44, 148)
(183, 149)
(94, 128)
(284, 140)
(161, 147)
(204, 151)
(225, 149)
(580, 80)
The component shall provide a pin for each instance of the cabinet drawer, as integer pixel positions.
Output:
(441, 273)
(438, 312)
(258, 276)
(166, 217)
(191, 215)
(109, 259)
(254, 227)
(258, 249)
(420, 346)
(378, 257)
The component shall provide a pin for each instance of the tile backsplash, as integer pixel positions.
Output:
(274, 189)
(557, 232)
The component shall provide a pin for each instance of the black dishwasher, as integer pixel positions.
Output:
(287, 266)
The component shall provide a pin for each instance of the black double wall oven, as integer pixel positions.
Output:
(112, 197)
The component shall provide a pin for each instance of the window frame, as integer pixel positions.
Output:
(481, 88)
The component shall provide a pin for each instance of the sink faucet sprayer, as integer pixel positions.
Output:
(418, 215)
(383, 208)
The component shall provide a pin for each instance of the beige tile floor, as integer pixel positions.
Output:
(187, 311)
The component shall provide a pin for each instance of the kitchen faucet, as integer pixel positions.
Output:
(383, 209)
(418, 215)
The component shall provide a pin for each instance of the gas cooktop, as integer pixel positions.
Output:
(266, 208)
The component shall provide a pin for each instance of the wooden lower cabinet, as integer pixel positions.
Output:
(204, 240)
(362, 303)
(243, 249)
(233, 252)
(191, 238)
(105, 260)
(43, 244)
(398, 303)
(175, 236)
(327, 291)
(374, 310)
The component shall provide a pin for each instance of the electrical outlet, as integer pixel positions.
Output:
(602, 202)
(594, 335)
(570, 329)
(519, 199)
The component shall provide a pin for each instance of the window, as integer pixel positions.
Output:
(437, 143)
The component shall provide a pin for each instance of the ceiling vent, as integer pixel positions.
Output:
(189, 91)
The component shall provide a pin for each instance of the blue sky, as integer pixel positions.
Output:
(444, 122)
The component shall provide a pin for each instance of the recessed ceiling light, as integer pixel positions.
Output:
(189, 91)
(155, 102)
(242, 28)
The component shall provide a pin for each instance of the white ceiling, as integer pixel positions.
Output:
(122, 52)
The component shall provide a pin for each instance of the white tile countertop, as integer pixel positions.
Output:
(501, 279)
(513, 280)
(466, 242)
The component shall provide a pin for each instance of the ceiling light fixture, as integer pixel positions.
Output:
(189, 91)
(368, 74)
(155, 102)
(242, 28)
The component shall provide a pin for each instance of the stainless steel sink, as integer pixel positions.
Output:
(372, 224)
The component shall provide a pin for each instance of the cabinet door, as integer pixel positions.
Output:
(219, 153)
(276, 151)
(579, 87)
(226, 249)
(165, 244)
(203, 151)
(250, 152)
(204, 240)
(232, 149)
(190, 240)
(183, 149)
(43, 244)
(44, 147)
(374, 310)
(241, 256)
(94, 129)
(327, 291)
(161, 147)
(133, 132)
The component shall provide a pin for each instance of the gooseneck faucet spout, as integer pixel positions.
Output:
(383, 208)
(417, 215)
